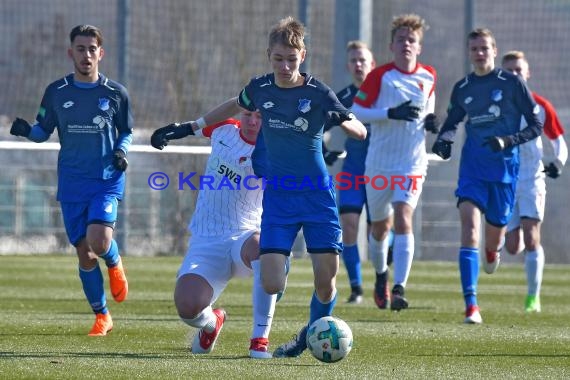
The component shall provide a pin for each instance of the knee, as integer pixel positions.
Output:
(273, 285)
(187, 308)
(99, 246)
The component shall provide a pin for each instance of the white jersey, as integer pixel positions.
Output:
(396, 146)
(531, 166)
(230, 194)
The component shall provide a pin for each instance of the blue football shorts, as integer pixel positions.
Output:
(495, 199)
(286, 212)
(102, 209)
(351, 198)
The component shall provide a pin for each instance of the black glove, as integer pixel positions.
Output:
(404, 111)
(331, 157)
(431, 124)
(442, 148)
(174, 131)
(337, 118)
(552, 170)
(20, 127)
(497, 143)
(120, 160)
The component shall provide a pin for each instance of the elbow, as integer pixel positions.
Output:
(359, 134)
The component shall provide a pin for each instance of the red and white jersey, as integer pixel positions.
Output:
(531, 153)
(230, 194)
(396, 145)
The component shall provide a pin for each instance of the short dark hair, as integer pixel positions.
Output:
(88, 31)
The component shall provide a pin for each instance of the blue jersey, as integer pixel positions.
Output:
(493, 104)
(292, 128)
(259, 157)
(91, 123)
(355, 149)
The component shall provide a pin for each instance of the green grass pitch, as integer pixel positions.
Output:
(44, 320)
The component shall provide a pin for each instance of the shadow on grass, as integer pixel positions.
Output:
(55, 357)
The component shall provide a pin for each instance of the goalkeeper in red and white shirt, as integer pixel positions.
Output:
(524, 226)
(225, 232)
(398, 101)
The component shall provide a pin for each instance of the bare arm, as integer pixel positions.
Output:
(354, 128)
(224, 111)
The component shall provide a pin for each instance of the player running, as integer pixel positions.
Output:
(294, 106)
(225, 233)
(93, 119)
(524, 226)
(493, 101)
(398, 101)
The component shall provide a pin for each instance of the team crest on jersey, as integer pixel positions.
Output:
(242, 160)
(304, 105)
(103, 104)
(421, 85)
(496, 95)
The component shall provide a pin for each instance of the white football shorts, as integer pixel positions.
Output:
(530, 201)
(385, 189)
(217, 259)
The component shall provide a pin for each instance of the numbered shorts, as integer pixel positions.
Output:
(495, 199)
(102, 209)
(382, 191)
(286, 212)
(216, 259)
(530, 202)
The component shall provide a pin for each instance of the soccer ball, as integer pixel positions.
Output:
(329, 339)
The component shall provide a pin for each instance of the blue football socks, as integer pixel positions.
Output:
(469, 271)
(112, 256)
(351, 258)
(92, 281)
(319, 309)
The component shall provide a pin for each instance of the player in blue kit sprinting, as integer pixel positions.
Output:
(299, 194)
(94, 122)
(352, 200)
(493, 101)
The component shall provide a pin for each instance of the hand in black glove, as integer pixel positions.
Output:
(120, 160)
(497, 143)
(174, 131)
(431, 124)
(552, 170)
(442, 148)
(331, 157)
(337, 118)
(20, 127)
(404, 111)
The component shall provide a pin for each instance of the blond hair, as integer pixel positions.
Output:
(288, 32)
(513, 55)
(356, 44)
(409, 21)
